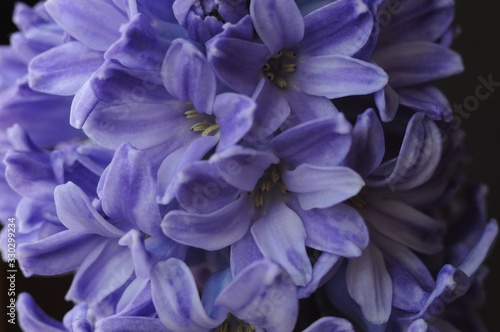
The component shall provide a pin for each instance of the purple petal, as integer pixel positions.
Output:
(242, 167)
(210, 231)
(324, 267)
(419, 62)
(235, 115)
(128, 190)
(387, 101)
(368, 144)
(418, 157)
(370, 285)
(330, 324)
(176, 299)
(262, 295)
(338, 76)
(322, 187)
(317, 107)
(321, 142)
(343, 36)
(404, 224)
(142, 259)
(278, 23)
(107, 268)
(429, 100)
(478, 253)
(32, 318)
(243, 253)
(339, 230)
(130, 324)
(64, 69)
(79, 20)
(238, 63)
(188, 77)
(280, 236)
(56, 254)
(76, 212)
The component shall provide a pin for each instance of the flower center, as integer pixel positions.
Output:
(204, 8)
(234, 324)
(271, 179)
(208, 126)
(358, 201)
(279, 67)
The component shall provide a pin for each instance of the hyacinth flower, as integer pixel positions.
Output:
(272, 200)
(407, 46)
(291, 67)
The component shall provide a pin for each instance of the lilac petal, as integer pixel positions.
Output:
(235, 116)
(387, 101)
(324, 267)
(429, 100)
(64, 69)
(187, 75)
(30, 174)
(338, 76)
(419, 62)
(321, 142)
(242, 167)
(128, 190)
(339, 230)
(478, 253)
(317, 107)
(83, 103)
(76, 212)
(76, 319)
(136, 299)
(107, 268)
(140, 46)
(262, 295)
(130, 324)
(404, 224)
(176, 299)
(169, 173)
(203, 189)
(368, 144)
(418, 158)
(215, 284)
(345, 36)
(32, 318)
(142, 259)
(411, 279)
(280, 236)
(320, 186)
(79, 20)
(238, 63)
(211, 231)
(278, 23)
(56, 254)
(243, 253)
(370, 285)
(12, 66)
(330, 324)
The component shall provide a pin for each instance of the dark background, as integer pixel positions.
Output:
(479, 45)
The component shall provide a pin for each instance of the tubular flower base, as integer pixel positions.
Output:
(239, 165)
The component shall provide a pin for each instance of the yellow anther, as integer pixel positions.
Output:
(212, 129)
(288, 67)
(279, 82)
(259, 199)
(289, 54)
(275, 174)
(200, 126)
(270, 76)
(191, 114)
(282, 187)
(278, 55)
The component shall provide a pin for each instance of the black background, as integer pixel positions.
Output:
(479, 45)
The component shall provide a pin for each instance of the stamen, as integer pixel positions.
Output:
(357, 202)
(282, 187)
(278, 55)
(200, 126)
(266, 67)
(275, 174)
(289, 54)
(270, 76)
(212, 129)
(288, 67)
(191, 114)
(279, 82)
(259, 199)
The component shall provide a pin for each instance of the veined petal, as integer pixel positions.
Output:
(370, 285)
(321, 186)
(321, 142)
(210, 231)
(429, 100)
(330, 324)
(324, 267)
(279, 23)
(32, 318)
(368, 144)
(252, 297)
(63, 70)
(79, 20)
(187, 75)
(243, 253)
(176, 299)
(339, 230)
(418, 62)
(338, 76)
(343, 36)
(280, 236)
(478, 253)
(387, 101)
(128, 190)
(76, 212)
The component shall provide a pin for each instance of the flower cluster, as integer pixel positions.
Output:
(209, 165)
